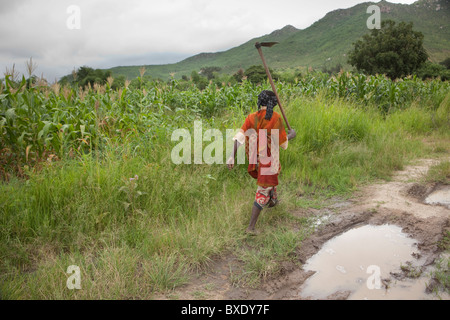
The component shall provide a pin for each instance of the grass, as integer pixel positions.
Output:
(341, 147)
(439, 173)
(262, 256)
(135, 238)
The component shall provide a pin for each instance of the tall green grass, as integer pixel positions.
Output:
(339, 145)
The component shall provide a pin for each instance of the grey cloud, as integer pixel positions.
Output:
(8, 6)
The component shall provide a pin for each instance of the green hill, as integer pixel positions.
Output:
(324, 44)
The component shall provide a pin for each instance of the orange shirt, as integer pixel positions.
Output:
(265, 136)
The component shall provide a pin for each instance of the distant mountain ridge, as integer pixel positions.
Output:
(323, 44)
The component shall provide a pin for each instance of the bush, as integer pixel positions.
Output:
(431, 70)
(257, 74)
(446, 63)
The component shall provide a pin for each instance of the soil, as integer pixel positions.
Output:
(399, 202)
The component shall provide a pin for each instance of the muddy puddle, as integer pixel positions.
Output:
(361, 261)
(441, 196)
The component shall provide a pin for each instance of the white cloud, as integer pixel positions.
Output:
(137, 32)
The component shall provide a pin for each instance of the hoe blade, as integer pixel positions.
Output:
(268, 44)
(265, 44)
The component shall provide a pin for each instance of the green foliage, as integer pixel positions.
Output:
(85, 76)
(42, 122)
(332, 70)
(38, 123)
(119, 82)
(394, 50)
(387, 95)
(433, 70)
(446, 63)
(200, 81)
(257, 74)
(239, 75)
(210, 72)
(439, 174)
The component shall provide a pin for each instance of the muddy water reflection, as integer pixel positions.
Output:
(356, 260)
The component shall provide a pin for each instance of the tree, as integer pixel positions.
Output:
(86, 75)
(209, 72)
(393, 50)
(119, 82)
(200, 81)
(257, 74)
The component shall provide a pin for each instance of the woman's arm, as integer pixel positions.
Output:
(231, 160)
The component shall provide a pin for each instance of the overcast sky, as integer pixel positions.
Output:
(108, 33)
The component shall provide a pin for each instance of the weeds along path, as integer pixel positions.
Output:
(399, 202)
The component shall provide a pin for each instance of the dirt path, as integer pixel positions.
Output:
(398, 202)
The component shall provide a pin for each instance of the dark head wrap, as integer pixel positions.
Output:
(269, 99)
